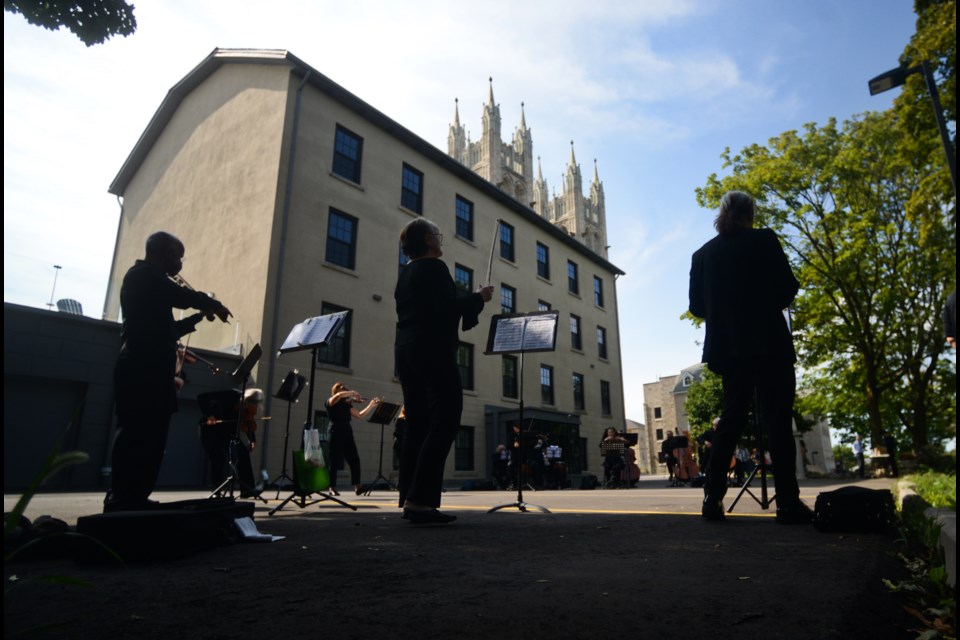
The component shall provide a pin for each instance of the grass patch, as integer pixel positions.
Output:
(927, 595)
(938, 489)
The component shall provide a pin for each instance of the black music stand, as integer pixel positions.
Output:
(522, 333)
(310, 335)
(239, 376)
(384, 414)
(762, 466)
(289, 390)
(615, 448)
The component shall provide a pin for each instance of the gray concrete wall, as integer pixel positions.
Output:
(58, 371)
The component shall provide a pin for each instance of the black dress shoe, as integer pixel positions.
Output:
(431, 516)
(712, 509)
(794, 513)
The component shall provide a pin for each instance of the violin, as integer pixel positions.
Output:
(185, 356)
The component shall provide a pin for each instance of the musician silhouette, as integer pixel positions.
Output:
(144, 378)
(219, 432)
(613, 447)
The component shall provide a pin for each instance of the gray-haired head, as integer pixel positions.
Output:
(413, 238)
(736, 212)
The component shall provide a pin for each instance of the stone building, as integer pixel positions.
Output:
(509, 166)
(664, 408)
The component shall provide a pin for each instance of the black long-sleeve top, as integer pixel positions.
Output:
(430, 306)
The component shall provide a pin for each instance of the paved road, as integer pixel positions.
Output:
(638, 562)
(651, 496)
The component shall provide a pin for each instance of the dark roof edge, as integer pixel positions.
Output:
(220, 57)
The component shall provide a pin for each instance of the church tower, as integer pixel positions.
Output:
(510, 168)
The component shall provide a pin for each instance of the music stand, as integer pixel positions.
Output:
(384, 414)
(239, 376)
(289, 390)
(522, 333)
(310, 335)
(761, 466)
(615, 448)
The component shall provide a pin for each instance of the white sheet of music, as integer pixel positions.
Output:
(525, 333)
(313, 331)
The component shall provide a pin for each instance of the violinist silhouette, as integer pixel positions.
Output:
(145, 389)
(221, 411)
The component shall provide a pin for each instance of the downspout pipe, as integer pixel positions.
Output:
(281, 260)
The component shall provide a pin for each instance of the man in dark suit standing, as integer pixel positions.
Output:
(740, 283)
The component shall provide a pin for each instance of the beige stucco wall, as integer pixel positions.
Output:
(211, 179)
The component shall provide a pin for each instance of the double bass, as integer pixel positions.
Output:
(631, 471)
(687, 468)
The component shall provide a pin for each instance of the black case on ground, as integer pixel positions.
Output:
(855, 510)
(168, 531)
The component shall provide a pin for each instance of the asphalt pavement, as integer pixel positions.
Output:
(632, 561)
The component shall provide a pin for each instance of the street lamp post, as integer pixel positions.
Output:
(897, 77)
(55, 274)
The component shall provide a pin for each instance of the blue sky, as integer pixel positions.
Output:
(653, 90)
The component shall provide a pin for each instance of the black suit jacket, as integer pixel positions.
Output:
(740, 283)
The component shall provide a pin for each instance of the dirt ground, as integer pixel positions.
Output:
(509, 574)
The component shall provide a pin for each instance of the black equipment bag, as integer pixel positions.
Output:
(855, 510)
(167, 531)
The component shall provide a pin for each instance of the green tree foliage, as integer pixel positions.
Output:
(93, 21)
(875, 262)
(704, 402)
(935, 41)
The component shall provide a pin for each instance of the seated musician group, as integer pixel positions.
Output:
(542, 466)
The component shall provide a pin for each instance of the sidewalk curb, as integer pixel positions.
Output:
(947, 520)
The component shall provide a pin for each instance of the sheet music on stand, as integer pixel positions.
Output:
(523, 332)
(613, 448)
(313, 331)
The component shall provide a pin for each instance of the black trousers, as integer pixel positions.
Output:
(137, 455)
(343, 448)
(433, 401)
(774, 386)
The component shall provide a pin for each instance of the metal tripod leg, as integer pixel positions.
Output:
(762, 501)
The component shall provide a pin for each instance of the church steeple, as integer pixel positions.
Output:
(489, 166)
(596, 187)
(508, 165)
(457, 137)
(574, 181)
(541, 195)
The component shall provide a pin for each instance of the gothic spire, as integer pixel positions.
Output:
(490, 99)
(523, 119)
(456, 113)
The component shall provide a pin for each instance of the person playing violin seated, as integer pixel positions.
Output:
(613, 457)
(219, 431)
